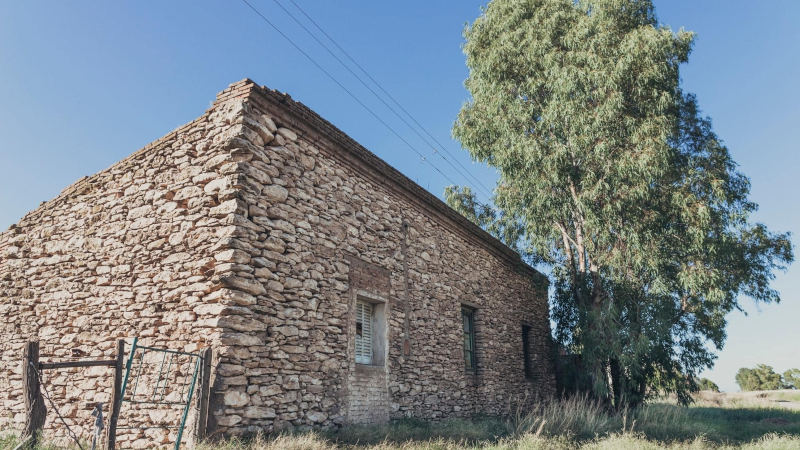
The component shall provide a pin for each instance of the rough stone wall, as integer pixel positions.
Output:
(255, 229)
(315, 213)
(135, 250)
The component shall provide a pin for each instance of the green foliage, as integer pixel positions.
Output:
(611, 176)
(707, 385)
(508, 229)
(791, 379)
(762, 378)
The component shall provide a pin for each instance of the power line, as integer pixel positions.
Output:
(466, 173)
(478, 182)
(344, 88)
(313, 61)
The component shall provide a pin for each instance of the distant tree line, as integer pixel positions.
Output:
(707, 385)
(764, 378)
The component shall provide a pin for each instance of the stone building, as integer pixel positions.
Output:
(332, 288)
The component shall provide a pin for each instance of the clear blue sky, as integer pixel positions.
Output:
(83, 84)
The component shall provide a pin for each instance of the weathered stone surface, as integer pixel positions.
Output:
(259, 412)
(240, 339)
(228, 420)
(239, 323)
(261, 128)
(274, 193)
(287, 133)
(209, 238)
(236, 398)
(231, 296)
(229, 370)
(233, 255)
(217, 185)
(245, 284)
(316, 416)
(267, 122)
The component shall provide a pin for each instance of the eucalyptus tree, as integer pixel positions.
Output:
(791, 378)
(609, 174)
(760, 378)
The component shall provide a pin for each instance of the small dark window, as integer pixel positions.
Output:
(468, 319)
(526, 350)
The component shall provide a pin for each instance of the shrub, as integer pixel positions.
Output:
(760, 378)
(707, 385)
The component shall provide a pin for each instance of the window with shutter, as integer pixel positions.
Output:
(363, 332)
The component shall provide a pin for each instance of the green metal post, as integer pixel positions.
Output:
(128, 370)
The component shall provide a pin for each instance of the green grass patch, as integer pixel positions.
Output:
(786, 396)
(746, 423)
(467, 431)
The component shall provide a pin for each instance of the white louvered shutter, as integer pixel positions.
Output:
(364, 338)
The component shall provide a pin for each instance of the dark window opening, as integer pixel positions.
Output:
(468, 320)
(526, 351)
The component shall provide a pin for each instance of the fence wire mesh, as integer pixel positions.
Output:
(157, 392)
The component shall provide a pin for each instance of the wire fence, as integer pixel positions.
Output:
(53, 406)
(158, 389)
(157, 393)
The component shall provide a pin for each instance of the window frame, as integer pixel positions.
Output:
(468, 336)
(527, 361)
(366, 326)
(377, 327)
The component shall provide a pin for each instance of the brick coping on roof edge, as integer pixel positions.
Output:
(314, 126)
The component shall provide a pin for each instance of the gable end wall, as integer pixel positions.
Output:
(137, 250)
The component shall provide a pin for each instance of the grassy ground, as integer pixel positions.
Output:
(783, 399)
(717, 421)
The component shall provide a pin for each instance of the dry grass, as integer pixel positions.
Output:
(716, 421)
(755, 399)
(621, 441)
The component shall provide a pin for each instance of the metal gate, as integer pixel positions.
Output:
(160, 381)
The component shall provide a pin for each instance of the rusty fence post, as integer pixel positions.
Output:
(201, 418)
(116, 397)
(35, 410)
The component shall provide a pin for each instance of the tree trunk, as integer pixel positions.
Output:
(617, 389)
